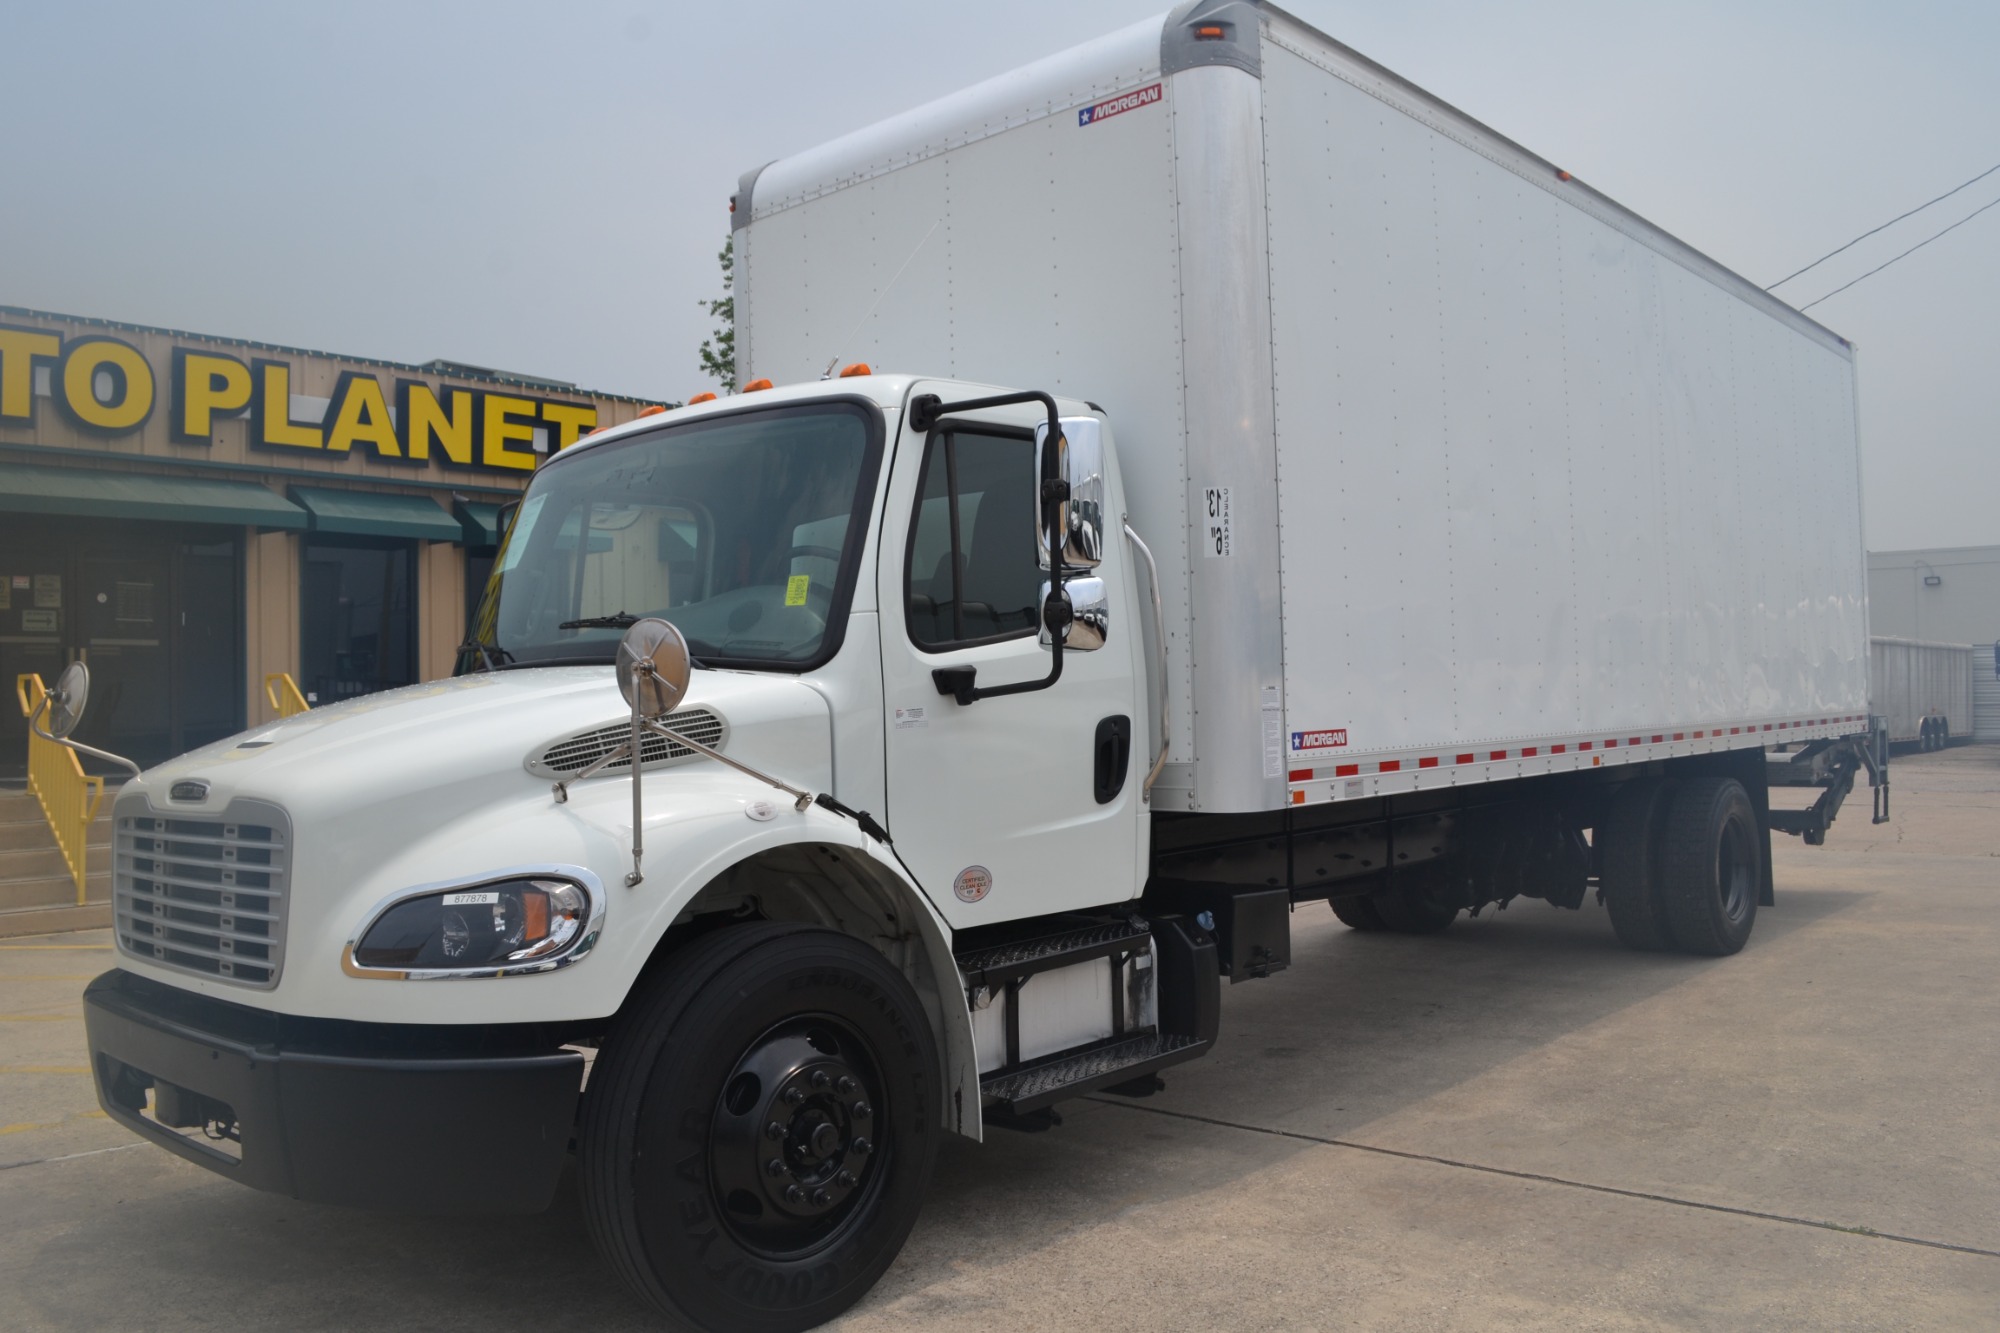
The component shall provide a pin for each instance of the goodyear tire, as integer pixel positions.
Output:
(1629, 865)
(1711, 866)
(1358, 914)
(759, 1129)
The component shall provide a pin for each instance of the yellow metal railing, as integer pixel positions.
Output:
(283, 692)
(68, 797)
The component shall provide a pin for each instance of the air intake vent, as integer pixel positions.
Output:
(206, 896)
(580, 751)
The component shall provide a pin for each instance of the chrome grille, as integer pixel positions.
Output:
(205, 895)
(580, 751)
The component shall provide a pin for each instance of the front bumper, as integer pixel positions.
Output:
(374, 1115)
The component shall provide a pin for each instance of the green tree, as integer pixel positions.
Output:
(718, 351)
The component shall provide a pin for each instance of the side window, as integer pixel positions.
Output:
(972, 574)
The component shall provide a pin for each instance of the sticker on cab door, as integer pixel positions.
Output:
(972, 884)
(1118, 106)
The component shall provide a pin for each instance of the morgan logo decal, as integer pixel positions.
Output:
(972, 884)
(1320, 740)
(1119, 105)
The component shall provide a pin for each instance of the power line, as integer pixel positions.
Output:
(1912, 250)
(1884, 227)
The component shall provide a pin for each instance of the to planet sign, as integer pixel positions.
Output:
(106, 386)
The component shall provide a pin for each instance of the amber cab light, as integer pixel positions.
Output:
(756, 386)
(651, 411)
(701, 398)
(858, 368)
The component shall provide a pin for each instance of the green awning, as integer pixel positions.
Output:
(90, 493)
(482, 522)
(371, 514)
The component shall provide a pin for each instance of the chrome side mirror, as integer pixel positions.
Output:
(67, 699)
(1090, 615)
(653, 668)
(1080, 462)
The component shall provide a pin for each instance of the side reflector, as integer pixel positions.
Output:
(858, 368)
(701, 398)
(755, 386)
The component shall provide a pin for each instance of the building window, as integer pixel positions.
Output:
(357, 618)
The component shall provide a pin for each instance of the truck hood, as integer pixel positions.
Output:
(452, 742)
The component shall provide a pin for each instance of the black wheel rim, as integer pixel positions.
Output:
(798, 1140)
(1736, 871)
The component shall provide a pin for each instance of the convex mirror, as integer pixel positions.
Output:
(1090, 615)
(1080, 462)
(66, 700)
(653, 667)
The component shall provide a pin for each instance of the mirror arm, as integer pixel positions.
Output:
(1057, 613)
(34, 725)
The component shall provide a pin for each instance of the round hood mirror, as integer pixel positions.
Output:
(67, 699)
(653, 667)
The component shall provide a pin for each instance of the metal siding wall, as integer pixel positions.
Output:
(1536, 477)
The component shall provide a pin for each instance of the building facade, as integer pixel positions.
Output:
(1949, 594)
(189, 514)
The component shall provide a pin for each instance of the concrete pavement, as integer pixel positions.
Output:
(1517, 1124)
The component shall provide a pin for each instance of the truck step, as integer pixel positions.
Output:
(1000, 963)
(1121, 1060)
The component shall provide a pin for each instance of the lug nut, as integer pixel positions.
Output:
(862, 1110)
(821, 1198)
(775, 1167)
(774, 1131)
(845, 1180)
(793, 1096)
(846, 1086)
(820, 1079)
(863, 1146)
(793, 1194)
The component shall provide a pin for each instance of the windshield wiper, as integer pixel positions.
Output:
(623, 620)
(487, 653)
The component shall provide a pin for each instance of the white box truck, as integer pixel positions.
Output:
(1276, 488)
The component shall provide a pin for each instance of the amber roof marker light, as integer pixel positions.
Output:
(858, 368)
(755, 386)
(1210, 33)
(701, 398)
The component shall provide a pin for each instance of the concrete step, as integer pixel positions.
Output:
(33, 862)
(50, 920)
(58, 890)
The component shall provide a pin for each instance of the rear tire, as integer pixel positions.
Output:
(1628, 865)
(1409, 912)
(1711, 866)
(752, 1028)
(1358, 914)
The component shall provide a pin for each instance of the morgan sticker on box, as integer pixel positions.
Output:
(1119, 105)
(1334, 738)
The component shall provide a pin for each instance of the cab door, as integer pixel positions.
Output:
(1028, 803)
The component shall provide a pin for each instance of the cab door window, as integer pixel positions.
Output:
(971, 575)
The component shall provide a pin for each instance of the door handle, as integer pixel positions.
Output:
(1111, 756)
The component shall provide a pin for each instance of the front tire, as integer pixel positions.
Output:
(759, 1129)
(1711, 866)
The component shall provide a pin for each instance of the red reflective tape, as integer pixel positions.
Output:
(1499, 754)
(1611, 744)
(1557, 749)
(1584, 746)
(1346, 770)
(1680, 735)
(1697, 735)
(1767, 726)
(1635, 740)
(1428, 763)
(1389, 766)
(1736, 731)
(1465, 759)
(1302, 775)
(1529, 753)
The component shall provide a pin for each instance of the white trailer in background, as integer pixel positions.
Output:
(1922, 691)
(1280, 488)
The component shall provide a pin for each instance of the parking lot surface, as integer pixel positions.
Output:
(1517, 1124)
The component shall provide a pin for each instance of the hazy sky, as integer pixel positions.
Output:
(543, 187)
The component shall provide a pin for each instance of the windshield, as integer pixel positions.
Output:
(742, 530)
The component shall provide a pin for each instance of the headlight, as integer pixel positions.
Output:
(529, 923)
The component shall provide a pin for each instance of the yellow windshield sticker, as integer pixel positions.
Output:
(795, 589)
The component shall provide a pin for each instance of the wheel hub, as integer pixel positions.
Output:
(793, 1141)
